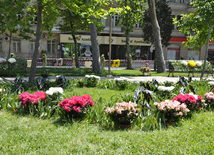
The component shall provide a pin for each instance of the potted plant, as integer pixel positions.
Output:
(76, 107)
(145, 70)
(123, 114)
(170, 111)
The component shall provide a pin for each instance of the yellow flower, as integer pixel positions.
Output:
(191, 63)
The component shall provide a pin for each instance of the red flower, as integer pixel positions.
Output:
(77, 109)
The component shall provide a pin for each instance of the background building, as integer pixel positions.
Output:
(55, 46)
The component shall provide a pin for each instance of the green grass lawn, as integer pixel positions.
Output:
(27, 135)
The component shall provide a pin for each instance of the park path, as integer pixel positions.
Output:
(130, 78)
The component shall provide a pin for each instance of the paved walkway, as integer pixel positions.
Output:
(131, 78)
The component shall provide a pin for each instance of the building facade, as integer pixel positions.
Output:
(55, 45)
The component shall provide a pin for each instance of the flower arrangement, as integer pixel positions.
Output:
(91, 80)
(76, 106)
(191, 63)
(209, 99)
(193, 102)
(27, 98)
(54, 90)
(123, 113)
(145, 69)
(198, 63)
(121, 82)
(11, 60)
(171, 110)
(2, 60)
(163, 88)
(54, 93)
(184, 63)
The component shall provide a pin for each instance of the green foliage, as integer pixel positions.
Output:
(163, 12)
(196, 24)
(19, 67)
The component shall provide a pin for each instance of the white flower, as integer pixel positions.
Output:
(211, 83)
(12, 60)
(1, 79)
(53, 90)
(198, 63)
(90, 76)
(121, 79)
(163, 88)
(48, 92)
(185, 63)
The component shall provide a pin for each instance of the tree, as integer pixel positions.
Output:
(47, 15)
(131, 15)
(13, 19)
(199, 25)
(163, 12)
(159, 57)
(73, 20)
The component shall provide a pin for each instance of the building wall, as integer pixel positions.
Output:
(178, 7)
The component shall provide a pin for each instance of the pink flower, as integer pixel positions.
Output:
(77, 109)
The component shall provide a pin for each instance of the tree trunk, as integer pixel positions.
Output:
(95, 49)
(129, 65)
(37, 44)
(206, 53)
(159, 57)
(75, 51)
(10, 42)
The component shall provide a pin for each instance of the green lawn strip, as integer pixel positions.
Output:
(27, 135)
(96, 94)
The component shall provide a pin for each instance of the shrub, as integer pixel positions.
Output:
(121, 82)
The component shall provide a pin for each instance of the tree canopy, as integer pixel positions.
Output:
(164, 17)
(196, 24)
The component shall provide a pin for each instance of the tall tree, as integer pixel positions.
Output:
(164, 17)
(131, 15)
(159, 57)
(73, 20)
(13, 19)
(199, 25)
(95, 11)
(47, 15)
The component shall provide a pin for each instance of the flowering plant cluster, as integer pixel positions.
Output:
(145, 69)
(209, 99)
(193, 102)
(191, 63)
(27, 98)
(91, 80)
(172, 109)
(121, 82)
(2, 60)
(123, 113)
(12, 60)
(54, 90)
(77, 104)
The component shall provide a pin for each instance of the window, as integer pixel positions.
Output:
(51, 46)
(178, 18)
(32, 47)
(16, 46)
(137, 25)
(115, 19)
(1, 50)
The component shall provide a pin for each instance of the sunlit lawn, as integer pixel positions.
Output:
(27, 135)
